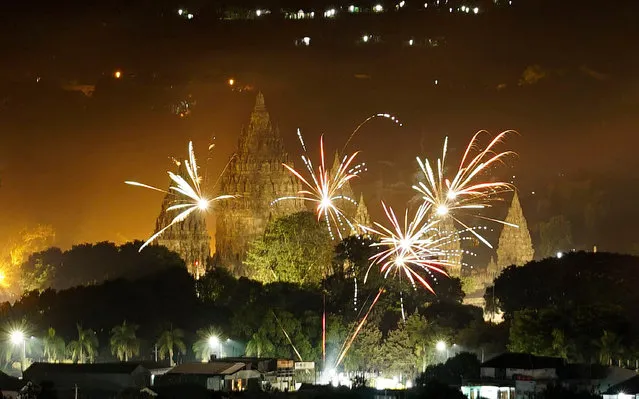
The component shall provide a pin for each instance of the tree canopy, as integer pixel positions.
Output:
(294, 248)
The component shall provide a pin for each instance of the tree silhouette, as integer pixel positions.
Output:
(169, 341)
(124, 343)
(54, 347)
(86, 344)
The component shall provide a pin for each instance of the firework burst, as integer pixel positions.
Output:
(324, 189)
(465, 191)
(409, 247)
(187, 191)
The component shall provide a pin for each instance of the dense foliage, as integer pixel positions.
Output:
(294, 249)
(578, 307)
(136, 316)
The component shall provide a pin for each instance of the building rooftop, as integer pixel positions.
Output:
(8, 383)
(523, 361)
(211, 368)
(95, 368)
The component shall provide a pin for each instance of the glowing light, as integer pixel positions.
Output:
(213, 341)
(410, 42)
(559, 255)
(189, 16)
(2, 277)
(117, 74)
(476, 10)
(440, 346)
(324, 189)
(464, 192)
(258, 12)
(188, 193)
(203, 204)
(329, 13)
(231, 82)
(180, 11)
(306, 40)
(365, 38)
(17, 337)
(378, 8)
(351, 8)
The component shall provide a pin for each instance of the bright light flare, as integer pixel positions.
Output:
(203, 204)
(409, 247)
(187, 192)
(440, 346)
(442, 210)
(323, 188)
(117, 74)
(465, 191)
(213, 341)
(17, 337)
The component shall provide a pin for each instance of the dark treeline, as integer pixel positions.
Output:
(156, 294)
(580, 307)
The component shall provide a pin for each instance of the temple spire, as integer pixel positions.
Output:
(515, 244)
(259, 103)
(362, 217)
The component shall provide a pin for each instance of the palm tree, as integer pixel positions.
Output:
(209, 341)
(87, 343)
(54, 346)
(124, 343)
(609, 346)
(170, 339)
(259, 345)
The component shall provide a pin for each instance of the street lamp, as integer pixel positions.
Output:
(442, 348)
(17, 338)
(213, 342)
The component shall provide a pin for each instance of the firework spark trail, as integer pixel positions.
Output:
(415, 245)
(287, 337)
(357, 330)
(463, 192)
(387, 116)
(323, 188)
(188, 193)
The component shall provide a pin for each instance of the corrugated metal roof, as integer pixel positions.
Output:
(211, 368)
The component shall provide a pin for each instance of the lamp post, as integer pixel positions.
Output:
(442, 348)
(17, 338)
(213, 342)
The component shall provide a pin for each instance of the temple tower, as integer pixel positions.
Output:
(256, 176)
(515, 245)
(190, 239)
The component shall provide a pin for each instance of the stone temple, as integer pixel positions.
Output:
(256, 175)
(190, 238)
